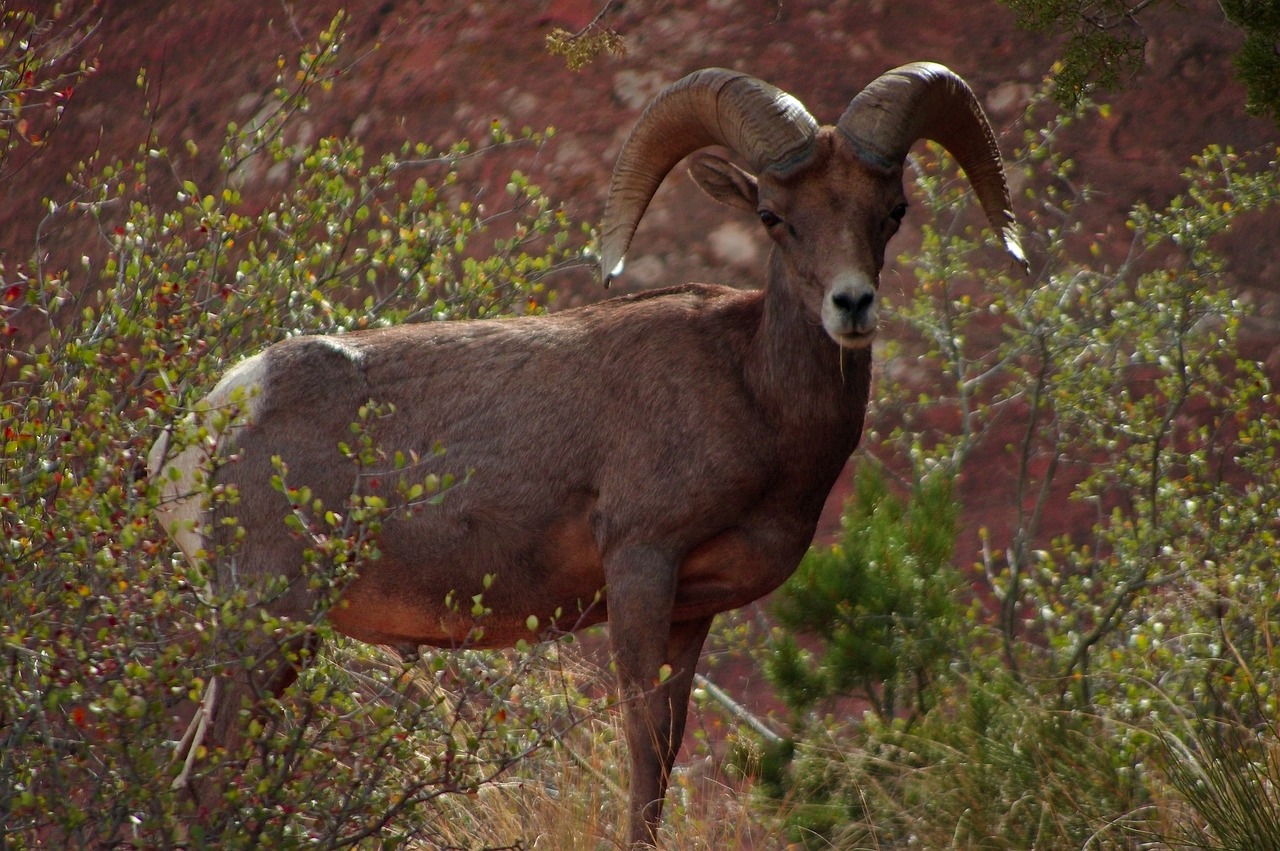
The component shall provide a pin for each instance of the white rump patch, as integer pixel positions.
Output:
(231, 405)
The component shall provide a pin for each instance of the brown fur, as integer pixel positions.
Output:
(571, 460)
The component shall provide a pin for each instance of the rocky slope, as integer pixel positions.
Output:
(440, 71)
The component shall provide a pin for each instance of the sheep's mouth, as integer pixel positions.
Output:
(855, 339)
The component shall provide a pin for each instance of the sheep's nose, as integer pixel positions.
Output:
(850, 311)
(853, 305)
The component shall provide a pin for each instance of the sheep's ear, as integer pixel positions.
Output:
(725, 182)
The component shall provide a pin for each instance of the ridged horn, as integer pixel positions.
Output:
(925, 100)
(762, 124)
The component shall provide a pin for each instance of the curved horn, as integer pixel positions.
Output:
(925, 100)
(763, 124)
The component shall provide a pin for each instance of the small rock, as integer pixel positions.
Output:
(734, 244)
(645, 271)
(1009, 97)
(636, 88)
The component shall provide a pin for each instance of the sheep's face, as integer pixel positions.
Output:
(830, 219)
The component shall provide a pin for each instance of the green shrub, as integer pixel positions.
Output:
(880, 604)
(43, 59)
(1113, 386)
(107, 636)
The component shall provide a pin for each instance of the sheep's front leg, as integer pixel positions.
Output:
(655, 702)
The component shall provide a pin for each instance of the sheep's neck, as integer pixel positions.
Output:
(802, 377)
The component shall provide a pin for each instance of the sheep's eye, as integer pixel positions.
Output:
(768, 218)
(898, 212)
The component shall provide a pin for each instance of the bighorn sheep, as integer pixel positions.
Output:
(650, 460)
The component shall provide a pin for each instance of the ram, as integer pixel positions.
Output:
(649, 460)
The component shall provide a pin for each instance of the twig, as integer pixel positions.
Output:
(737, 710)
(592, 770)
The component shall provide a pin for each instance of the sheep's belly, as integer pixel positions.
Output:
(380, 618)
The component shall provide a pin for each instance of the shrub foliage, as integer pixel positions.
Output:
(108, 637)
(1085, 671)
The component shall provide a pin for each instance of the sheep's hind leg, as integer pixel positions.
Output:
(231, 700)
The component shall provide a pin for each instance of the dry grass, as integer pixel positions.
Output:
(572, 800)
(570, 795)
